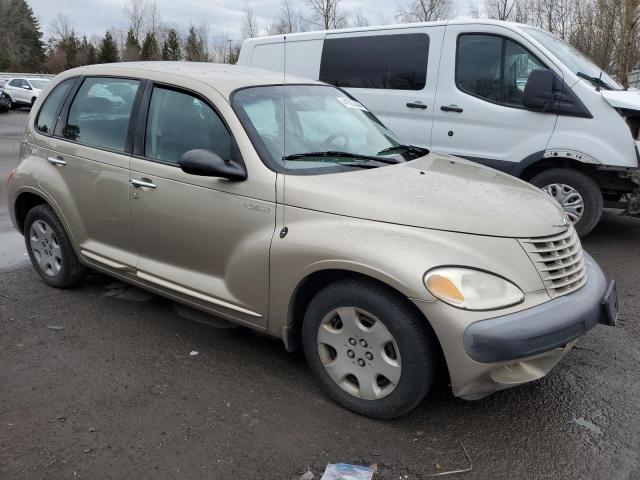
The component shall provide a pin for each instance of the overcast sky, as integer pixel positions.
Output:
(95, 16)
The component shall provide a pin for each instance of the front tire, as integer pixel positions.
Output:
(578, 193)
(50, 249)
(370, 349)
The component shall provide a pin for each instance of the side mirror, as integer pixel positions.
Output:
(539, 91)
(26, 87)
(206, 163)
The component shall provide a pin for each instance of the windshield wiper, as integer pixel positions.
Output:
(337, 154)
(596, 81)
(409, 148)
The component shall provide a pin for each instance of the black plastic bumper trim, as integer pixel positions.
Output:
(542, 328)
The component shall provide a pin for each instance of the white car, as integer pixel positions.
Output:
(506, 95)
(24, 91)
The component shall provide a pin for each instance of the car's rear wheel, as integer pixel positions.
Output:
(50, 249)
(370, 349)
(13, 105)
(577, 193)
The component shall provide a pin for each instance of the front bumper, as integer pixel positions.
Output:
(540, 329)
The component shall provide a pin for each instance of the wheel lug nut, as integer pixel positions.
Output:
(352, 341)
(361, 362)
(369, 356)
(363, 343)
(350, 354)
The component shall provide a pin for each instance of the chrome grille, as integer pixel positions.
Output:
(559, 260)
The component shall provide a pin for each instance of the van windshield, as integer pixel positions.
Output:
(575, 60)
(316, 129)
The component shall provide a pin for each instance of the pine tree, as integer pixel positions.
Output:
(20, 37)
(171, 47)
(71, 46)
(150, 49)
(108, 49)
(194, 50)
(132, 48)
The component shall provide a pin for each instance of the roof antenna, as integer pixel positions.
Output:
(285, 229)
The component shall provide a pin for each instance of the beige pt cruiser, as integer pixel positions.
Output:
(292, 210)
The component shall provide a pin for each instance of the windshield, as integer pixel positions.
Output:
(575, 60)
(39, 84)
(316, 129)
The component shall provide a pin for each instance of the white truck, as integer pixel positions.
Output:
(506, 95)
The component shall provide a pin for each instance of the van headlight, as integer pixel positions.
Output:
(471, 289)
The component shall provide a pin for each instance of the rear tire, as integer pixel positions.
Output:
(13, 105)
(381, 370)
(50, 249)
(564, 183)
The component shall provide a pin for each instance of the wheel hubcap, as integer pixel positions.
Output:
(359, 353)
(569, 198)
(45, 248)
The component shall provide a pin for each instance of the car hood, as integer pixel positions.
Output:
(629, 99)
(436, 192)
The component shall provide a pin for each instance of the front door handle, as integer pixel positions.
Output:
(452, 108)
(56, 161)
(419, 105)
(142, 183)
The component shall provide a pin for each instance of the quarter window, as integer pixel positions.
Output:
(178, 122)
(49, 111)
(100, 113)
(494, 68)
(397, 62)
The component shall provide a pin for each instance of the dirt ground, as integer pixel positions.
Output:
(100, 383)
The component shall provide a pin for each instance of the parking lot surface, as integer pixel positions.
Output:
(108, 381)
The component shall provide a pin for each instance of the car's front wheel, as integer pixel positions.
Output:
(370, 349)
(50, 249)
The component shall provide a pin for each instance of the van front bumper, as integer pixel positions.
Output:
(546, 327)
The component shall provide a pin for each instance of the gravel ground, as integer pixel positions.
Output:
(115, 393)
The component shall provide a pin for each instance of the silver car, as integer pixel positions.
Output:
(290, 209)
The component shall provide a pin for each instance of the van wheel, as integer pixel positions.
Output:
(369, 349)
(50, 249)
(578, 194)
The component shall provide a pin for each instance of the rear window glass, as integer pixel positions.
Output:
(396, 62)
(49, 111)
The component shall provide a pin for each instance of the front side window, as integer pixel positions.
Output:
(494, 68)
(15, 83)
(397, 62)
(100, 113)
(315, 129)
(178, 122)
(49, 111)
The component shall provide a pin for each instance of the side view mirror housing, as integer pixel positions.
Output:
(27, 87)
(206, 163)
(539, 92)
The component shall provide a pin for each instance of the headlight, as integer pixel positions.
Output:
(471, 289)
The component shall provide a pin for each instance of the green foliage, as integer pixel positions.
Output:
(171, 47)
(131, 48)
(195, 50)
(150, 49)
(21, 47)
(108, 52)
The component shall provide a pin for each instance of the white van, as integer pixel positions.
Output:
(506, 95)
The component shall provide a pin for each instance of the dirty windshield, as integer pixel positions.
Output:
(313, 127)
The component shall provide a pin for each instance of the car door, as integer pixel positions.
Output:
(392, 72)
(87, 172)
(201, 238)
(14, 90)
(479, 113)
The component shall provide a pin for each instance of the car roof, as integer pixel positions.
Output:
(223, 77)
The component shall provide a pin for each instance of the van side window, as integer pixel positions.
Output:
(178, 122)
(49, 112)
(494, 68)
(397, 62)
(100, 112)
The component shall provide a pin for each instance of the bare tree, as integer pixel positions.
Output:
(60, 28)
(154, 19)
(628, 42)
(137, 11)
(326, 14)
(425, 11)
(290, 20)
(249, 23)
(500, 9)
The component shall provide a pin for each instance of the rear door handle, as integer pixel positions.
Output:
(451, 108)
(56, 161)
(419, 105)
(142, 183)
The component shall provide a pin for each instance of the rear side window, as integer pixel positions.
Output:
(100, 113)
(178, 122)
(49, 112)
(396, 62)
(494, 68)
(15, 83)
